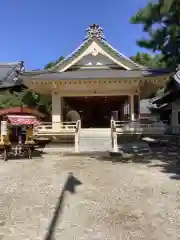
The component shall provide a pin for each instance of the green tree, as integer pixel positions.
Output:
(9, 99)
(26, 98)
(44, 101)
(149, 60)
(161, 22)
(33, 99)
(152, 61)
(51, 64)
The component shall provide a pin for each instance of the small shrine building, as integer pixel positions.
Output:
(96, 80)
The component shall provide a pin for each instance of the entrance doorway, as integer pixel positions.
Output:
(96, 112)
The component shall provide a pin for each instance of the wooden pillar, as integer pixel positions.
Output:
(57, 111)
(131, 106)
(137, 107)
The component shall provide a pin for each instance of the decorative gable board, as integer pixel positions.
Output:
(95, 61)
(94, 49)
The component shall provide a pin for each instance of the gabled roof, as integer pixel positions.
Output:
(94, 35)
(10, 74)
(106, 47)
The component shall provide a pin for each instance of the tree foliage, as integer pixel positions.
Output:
(8, 99)
(35, 100)
(161, 22)
(149, 60)
(25, 98)
(51, 64)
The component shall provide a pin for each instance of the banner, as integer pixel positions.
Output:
(4, 130)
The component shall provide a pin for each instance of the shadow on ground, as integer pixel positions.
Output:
(35, 154)
(70, 186)
(167, 161)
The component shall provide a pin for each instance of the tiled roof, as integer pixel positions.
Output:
(122, 58)
(96, 74)
(9, 73)
(107, 47)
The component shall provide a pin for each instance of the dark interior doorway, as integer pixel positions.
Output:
(96, 112)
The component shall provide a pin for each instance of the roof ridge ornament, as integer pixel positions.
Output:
(94, 31)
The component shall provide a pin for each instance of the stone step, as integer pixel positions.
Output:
(91, 140)
(95, 148)
(98, 132)
(95, 139)
(95, 129)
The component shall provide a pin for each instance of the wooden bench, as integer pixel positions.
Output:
(63, 130)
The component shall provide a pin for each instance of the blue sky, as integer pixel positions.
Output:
(39, 31)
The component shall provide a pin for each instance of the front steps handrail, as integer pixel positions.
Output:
(50, 129)
(114, 136)
(77, 135)
(134, 127)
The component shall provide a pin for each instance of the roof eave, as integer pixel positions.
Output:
(65, 75)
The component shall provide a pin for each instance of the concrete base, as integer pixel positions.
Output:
(127, 138)
(131, 138)
(131, 143)
(60, 138)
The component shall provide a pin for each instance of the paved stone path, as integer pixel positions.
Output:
(115, 200)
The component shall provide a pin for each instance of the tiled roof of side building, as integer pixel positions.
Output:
(10, 73)
(173, 90)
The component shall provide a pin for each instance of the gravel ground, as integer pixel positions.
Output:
(115, 200)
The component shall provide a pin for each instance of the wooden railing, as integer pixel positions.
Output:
(120, 128)
(46, 127)
(60, 129)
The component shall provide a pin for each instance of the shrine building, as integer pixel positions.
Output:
(96, 81)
